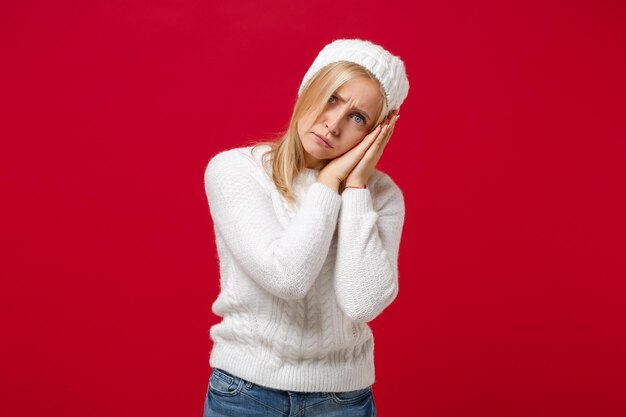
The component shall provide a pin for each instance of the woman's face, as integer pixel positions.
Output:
(345, 121)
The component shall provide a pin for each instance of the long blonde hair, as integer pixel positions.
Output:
(286, 154)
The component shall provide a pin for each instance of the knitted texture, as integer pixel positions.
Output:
(387, 68)
(298, 283)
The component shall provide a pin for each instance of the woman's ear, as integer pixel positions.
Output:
(390, 115)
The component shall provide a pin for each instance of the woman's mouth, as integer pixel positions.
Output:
(322, 141)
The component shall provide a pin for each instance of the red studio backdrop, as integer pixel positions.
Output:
(510, 152)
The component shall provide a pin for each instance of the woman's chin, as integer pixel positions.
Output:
(315, 158)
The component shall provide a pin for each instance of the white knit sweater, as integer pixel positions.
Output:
(298, 284)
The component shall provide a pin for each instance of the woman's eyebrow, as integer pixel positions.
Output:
(367, 116)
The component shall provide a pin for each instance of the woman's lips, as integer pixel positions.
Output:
(323, 141)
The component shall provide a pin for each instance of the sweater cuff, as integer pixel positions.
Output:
(327, 198)
(356, 201)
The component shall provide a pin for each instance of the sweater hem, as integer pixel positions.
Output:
(265, 369)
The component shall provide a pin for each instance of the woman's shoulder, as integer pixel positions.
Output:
(235, 162)
(244, 153)
(250, 156)
(384, 190)
(382, 182)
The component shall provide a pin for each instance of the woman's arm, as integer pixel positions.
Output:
(284, 261)
(366, 270)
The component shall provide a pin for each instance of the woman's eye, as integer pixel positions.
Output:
(359, 119)
(332, 99)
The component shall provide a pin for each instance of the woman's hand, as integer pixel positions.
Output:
(361, 173)
(358, 163)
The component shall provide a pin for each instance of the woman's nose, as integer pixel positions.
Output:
(332, 127)
(332, 121)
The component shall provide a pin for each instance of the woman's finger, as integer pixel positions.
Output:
(370, 157)
(369, 140)
(372, 136)
(386, 135)
(358, 152)
(380, 140)
(372, 146)
(391, 127)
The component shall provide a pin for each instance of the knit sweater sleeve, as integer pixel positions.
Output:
(369, 230)
(284, 260)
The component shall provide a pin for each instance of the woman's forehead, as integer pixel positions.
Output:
(362, 92)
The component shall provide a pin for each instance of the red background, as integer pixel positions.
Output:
(510, 151)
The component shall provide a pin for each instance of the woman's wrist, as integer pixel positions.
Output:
(355, 183)
(355, 186)
(329, 181)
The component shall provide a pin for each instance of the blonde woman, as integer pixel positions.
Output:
(307, 232)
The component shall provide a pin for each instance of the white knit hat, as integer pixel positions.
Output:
(387, 68)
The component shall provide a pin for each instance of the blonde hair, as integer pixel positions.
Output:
(286, 154)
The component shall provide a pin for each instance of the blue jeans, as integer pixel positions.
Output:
(231, 396)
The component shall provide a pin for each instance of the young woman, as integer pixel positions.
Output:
(307, 233)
